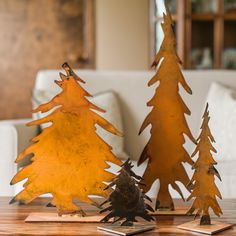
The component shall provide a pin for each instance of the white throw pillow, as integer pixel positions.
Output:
(107, 101)
(222, 108)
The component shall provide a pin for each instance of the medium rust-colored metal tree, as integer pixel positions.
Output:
(69, 158)
(127, 199)
(164, 151)
(204, 188)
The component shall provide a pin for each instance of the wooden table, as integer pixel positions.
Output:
(12, 221)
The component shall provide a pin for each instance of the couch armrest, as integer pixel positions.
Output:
(8, 152)
(23, 134)
(14, 137)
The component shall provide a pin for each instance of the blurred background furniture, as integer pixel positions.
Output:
(133, 93)
(36, 35)
(200, 26)
(92, 34)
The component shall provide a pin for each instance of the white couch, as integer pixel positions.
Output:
(131, 87)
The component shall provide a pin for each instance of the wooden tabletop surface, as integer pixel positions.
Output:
(12, 221)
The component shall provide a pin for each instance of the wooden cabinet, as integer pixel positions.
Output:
(205, 31)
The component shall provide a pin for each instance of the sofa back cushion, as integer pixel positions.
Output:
(222, 106)
(131, 86)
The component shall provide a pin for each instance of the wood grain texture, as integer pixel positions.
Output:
(12, 221)
(40, 35)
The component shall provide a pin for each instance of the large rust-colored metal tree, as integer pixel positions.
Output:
(69, 157)
(164, 150)
(204, 188)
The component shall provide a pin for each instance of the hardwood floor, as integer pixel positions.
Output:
(12, 221)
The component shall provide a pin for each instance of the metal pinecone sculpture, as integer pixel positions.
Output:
(127, 200)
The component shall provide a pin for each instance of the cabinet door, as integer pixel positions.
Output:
(38, 35)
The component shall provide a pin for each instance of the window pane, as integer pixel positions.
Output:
(160, 7)
(160, 34)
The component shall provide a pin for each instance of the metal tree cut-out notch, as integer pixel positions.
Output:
(203, 180)
(66, 152)
(164, 151)
(127, 201)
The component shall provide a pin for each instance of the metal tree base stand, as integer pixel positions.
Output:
(54, 217)
(213, 228)
(126, 230)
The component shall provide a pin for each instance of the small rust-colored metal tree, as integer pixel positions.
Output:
(164, 151)
(204, 188)
(69, 158)
(127, 199)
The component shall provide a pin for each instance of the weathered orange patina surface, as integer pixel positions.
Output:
(69, 157)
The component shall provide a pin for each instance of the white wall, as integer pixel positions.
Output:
(122, 34)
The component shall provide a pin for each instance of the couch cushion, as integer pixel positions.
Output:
(222, 107)
(107, 101)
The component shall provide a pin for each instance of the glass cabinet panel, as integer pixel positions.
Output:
(230, 6)
(229, 51)
(202, 46)
(206, 28)
(204, 6)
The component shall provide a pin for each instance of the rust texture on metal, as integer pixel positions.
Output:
(69, 158)
(164, 151)
(203, 184)
(127, 200)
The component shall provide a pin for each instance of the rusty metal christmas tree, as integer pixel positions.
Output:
(127, 201)
(204, 188)
(164, 151)
(66, 152)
